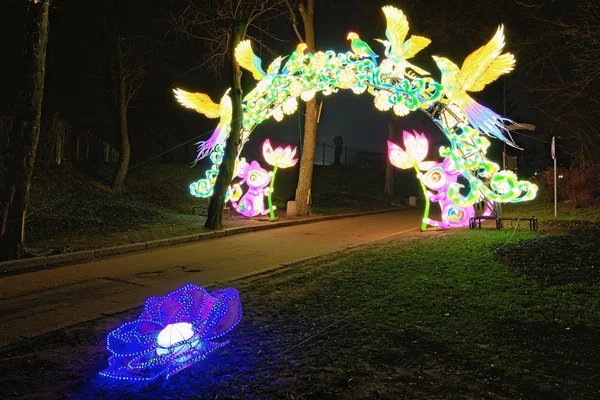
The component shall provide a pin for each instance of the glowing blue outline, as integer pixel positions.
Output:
(133, 344)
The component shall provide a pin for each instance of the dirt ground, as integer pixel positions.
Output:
(377, 322)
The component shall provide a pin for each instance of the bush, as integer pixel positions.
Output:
(579, 185)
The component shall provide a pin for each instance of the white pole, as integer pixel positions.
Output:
(555, 192)
(553, 152)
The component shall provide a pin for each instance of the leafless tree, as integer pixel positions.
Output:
(19, 159)
(306, 9)
(565, 74)
(124, 71)
(221, 25)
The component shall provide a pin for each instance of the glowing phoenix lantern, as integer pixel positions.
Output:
(397, 85)
(479, 69)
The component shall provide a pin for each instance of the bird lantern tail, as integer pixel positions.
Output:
(206, 147)
(487, 121)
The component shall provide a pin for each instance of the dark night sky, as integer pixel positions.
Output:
(74, 60)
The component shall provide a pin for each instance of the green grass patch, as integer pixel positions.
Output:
(461, 314)
(73, 208)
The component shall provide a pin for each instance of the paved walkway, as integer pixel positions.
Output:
(42, 301)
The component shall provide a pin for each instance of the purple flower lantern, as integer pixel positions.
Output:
(172, 333)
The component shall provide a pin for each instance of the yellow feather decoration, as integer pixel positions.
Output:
(245, 57)
(485, 64)
(199, 102)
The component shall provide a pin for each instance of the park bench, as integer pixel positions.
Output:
(475, 222)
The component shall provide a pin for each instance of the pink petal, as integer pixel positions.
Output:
(399, 157)
(410, 143)
(268, 153)
(422, 147)
(267, 147)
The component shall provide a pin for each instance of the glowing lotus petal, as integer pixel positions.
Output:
(295, 88)
(416, 150)
(359, 89)
(280, 157)
(290, 106)
(172, 333)
(399, 157)
(278, 114)
(307, 95)
(416, 145)
(401, 110)
(381, 101)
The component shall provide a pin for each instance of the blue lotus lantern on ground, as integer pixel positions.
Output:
(172, 333)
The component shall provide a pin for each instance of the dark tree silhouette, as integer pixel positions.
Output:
(15, 178)
(221, 25)
(309, 146)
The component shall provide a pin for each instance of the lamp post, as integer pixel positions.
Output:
(553, 152)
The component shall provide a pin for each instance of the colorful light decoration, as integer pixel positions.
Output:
(417, 148)
(278, 158)
(434, 176)
(252, 203)
(439, 178)
(480, 68)
(172, 333)
(396, 84)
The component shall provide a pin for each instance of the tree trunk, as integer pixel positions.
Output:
(58, 139)
(214, 219)
(389, 168)
(15, 179)
(310, 121)
(121, 98)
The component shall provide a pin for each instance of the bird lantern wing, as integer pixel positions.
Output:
(414, 45)
(275, 66)
(199, 102)
(486, 64)
(248, 60)
(397, 29)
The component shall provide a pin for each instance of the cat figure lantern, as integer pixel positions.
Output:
(434, 176)
(252, 203)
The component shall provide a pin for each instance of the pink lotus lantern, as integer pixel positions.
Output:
(278, 158)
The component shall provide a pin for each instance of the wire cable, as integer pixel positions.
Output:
(336, 322)
(510, 238)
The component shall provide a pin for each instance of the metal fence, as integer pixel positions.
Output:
(354, 157)
(350, 156)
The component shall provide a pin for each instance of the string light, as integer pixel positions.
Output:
(396, 85)
(172, 333)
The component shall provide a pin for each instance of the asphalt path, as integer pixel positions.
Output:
(42, 301)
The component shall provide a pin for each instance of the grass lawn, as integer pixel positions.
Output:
(72, 207)
(458, 314)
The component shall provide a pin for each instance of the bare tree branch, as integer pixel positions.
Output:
(210, 22)
(294, 21)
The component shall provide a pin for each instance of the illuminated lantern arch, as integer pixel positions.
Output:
(396, 85)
